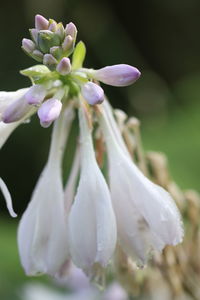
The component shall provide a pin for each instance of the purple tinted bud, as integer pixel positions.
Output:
(28, 45)
(68, 42)
(64, 66)
(16, 110)
(53, 26)
(49, 60)
(49, 111)
(117, 75)
(34, 34)
(36, 94)
(92, 93)
(41, 23)
(70, 29)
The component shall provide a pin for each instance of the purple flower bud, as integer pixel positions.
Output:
(28, 45)
(71, 29)
(36, 94)
(117, 75)
(64, 66)
(34, 34)
(49, 111)
(92, 93)
(41, 23)
(49, 60)
(16, 110)
(53, 26)
(68, 42)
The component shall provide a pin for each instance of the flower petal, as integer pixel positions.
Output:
(7, 197)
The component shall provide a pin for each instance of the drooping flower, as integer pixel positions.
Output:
(93, 237)
(147, 216)
(42, 234)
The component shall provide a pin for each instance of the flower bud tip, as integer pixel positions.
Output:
(64, 66)
(41, 23)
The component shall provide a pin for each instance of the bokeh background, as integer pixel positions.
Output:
(160, 38)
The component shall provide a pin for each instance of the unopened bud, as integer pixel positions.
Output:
(92, 93)
(64, 66)
(28, 45)
(49, 61)
(52, 25)
(34, 34)
(71, 29)
(68, 43)
(60, 31)
(36, 94)
(49, 111)
(41, 23)
(117, 75)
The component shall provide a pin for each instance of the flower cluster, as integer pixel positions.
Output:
(95, 212)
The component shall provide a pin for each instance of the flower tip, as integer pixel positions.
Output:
(49, 111)
(41, 23)
(28, 45)
(64, 66)
(117, 75)
(71, 30)
(92, 93)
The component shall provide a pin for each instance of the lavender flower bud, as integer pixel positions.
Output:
(49, 111)
(92, 93)
(52, 25)
(34, 34)
(68, 43)
(41, 23)
(36, 94)
(64, 66)
(28, 45)
(60, 31)
(49, 61)
(71, 29)
(117, 75)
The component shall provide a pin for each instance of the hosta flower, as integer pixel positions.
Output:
(42, 234)
(84, 222)
(147, 216)
(93, 237)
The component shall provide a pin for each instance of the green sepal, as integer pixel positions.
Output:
(35, 71)
(78, 55)
(47, 39)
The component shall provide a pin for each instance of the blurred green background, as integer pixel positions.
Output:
(160, 38)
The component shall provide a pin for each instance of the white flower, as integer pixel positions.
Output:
(42, 234)
(92, 227)
(7, 98)
(146, 215)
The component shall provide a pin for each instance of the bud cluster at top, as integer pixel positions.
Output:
(50, 41)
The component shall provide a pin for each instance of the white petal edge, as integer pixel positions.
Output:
(7, 197)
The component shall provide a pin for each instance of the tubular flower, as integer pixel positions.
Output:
(42, 234)
(93, 237)
(84, 222)
(147, 216)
